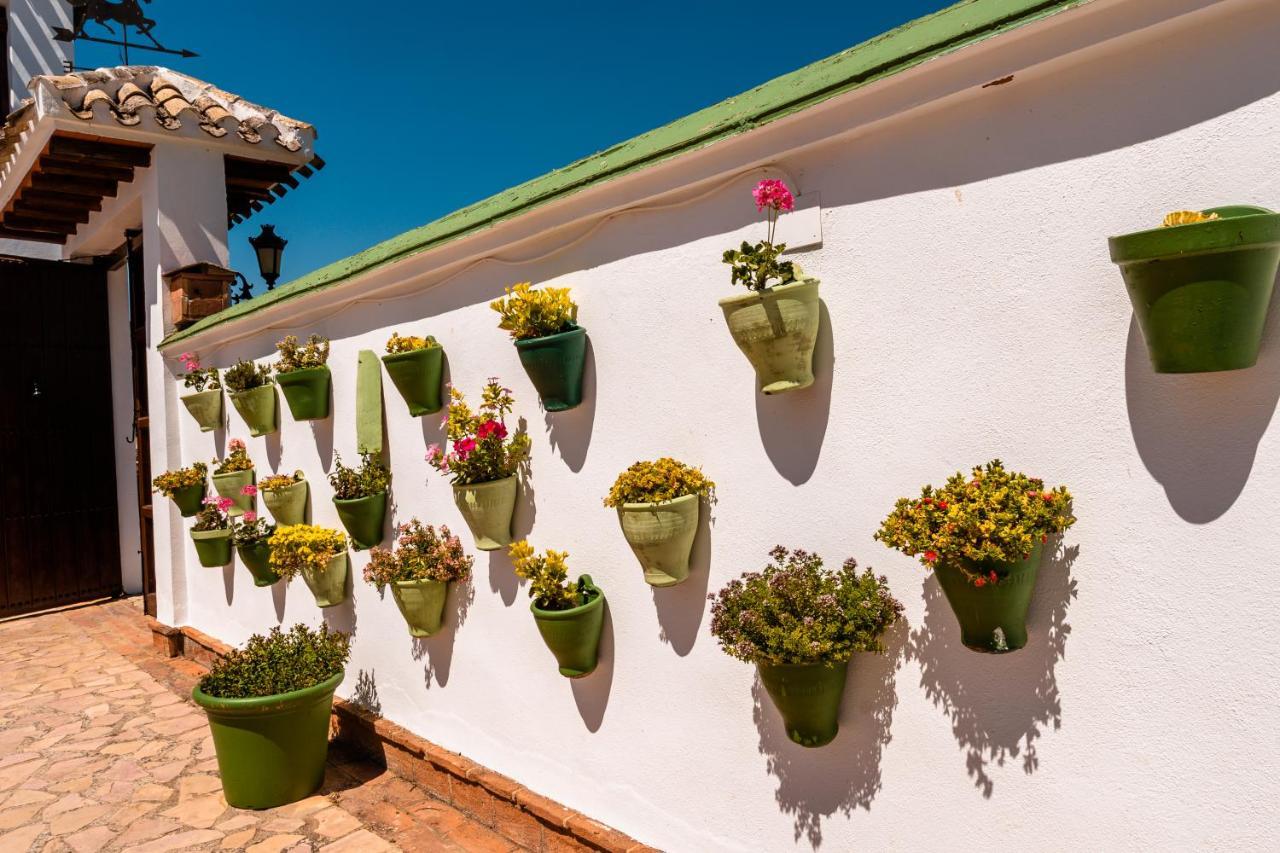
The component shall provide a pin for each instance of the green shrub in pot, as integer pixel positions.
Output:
(254, 396)
(569, 616)
(302, 373)
(184, 486)
(319, 554)
(211, 533)
(233, 477)
(416, 367)
(205, 401)
(658, 506)
(251, 538)
(419, 571)
(360, 494)
(551, 345)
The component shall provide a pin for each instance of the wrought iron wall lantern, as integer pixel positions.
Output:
(269, 248)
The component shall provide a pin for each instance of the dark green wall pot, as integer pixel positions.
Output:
(574, 635)
(993, 618)
(289, 505)
(213, 547)
(271, 750)
(258, 407)
(807, 695)
(231, 485)
(555, 364)
(189, 499)
(661, 536)
(329, 585)
(777, 330)
(417, 376)
(206, 408)
(421, 602)
(363, 518)
(307, 392)
(257, 559)
(1201, 291)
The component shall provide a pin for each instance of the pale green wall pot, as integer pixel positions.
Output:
(213, 547)
(777, 330)
(417, 376)
(364, 518)
(555, 364)
(661, 536)
(421, 602)
(487, 508)
(188, 499)
(807, 695)
(259, 408)
(230, 485)
(307, 392)
(993, 618)
(574, 635)
(206, 408)
(329, 585)
(257, 559)
(288, 505)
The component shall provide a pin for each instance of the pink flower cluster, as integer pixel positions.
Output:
(249, 490)
(773, 194)
(492, 428)
(221, 503)
(249, 516)
(236, 444)
(189, 361)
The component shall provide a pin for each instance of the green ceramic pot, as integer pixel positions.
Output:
(417, 377)
(329, 585)
(271, 749)
(257, 559)
(206, 408)
(288, 505)
(661, 536)
(258, 408)
(574, 635)
(364, 518)
(555, 364)
(993, 618)
(188, 499)
(421, 602)
(1200, 292)
(777, 330)
(807, 695)
(231, 485)
(487, 508)
(213, 547)
(307, 392)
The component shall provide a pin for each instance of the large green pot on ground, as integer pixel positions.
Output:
(257, 559)
(364, 519)
(329, 585)
(993, 617)
(307, 392)
(259, 408)
(574, 635)
(188, 499)
(1201, 291)
(661, 536)
(421, 602)
(487, 508)
(271, 749)
(807, 695)
(555, 364)
(213, 547)
(417, 375)
(231, 485)
(288, 505)
(206, 408)
(777, 329)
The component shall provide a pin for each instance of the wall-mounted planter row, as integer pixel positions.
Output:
(231, 486)
(777, 329)
(555, 364)
(288, 505)
(206, 408)
(213, 547)
(573, 635)
(307, 392)
(259, 408)
(661, 536)
(488, 508)
(417, 376)
(363, 518)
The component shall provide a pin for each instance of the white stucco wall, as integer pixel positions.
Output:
(971, 312)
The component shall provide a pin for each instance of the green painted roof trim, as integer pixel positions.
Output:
(950, 29)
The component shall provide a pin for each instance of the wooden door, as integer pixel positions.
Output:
(141, 417)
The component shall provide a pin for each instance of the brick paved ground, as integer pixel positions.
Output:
(102, 749)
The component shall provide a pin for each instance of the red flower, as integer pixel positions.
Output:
(491, 428)
(926, 501)
(1048, 497)
(464, 446)
(1044, 538)
(930, 556)
(993, 577)
(942, 504)
(979, 581)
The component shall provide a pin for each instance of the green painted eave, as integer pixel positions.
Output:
(948, 30)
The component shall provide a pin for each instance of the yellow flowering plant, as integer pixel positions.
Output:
(276, 482)
(1187, 217)
(548, 577)
(527, 313)
(662, 480)
(181, 478)
(237, 460)
(297, 547)
(398, 343)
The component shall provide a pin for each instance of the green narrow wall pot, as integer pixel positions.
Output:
(487, 508)
(206, 408)
(288, 505)
(421, 602)
(364, 518)
(777, 329)
(272, 749)
(257, 559)
(259, 408)
(555, 364)
(188, 499)
(307, 392)
(1200, 292)
(329, 585)
(417, 376)
(807, 695)
(661, 536)
(213, 547)
(574, 635)
(993, 618)
(231, 485)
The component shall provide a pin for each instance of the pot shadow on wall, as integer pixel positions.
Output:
(438, 649)
(279, 595)
(322, 433)
(364, 694)
(502, 574)
(570, 432)
(591, 692)
(998, 705)
(275, 446)
(342, 617)
(432, 423)
(793, 425)
(229, 577)
(680, 608)
(844, 775)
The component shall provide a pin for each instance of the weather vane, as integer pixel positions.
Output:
(125, 13)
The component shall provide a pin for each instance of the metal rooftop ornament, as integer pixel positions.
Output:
(125, 13)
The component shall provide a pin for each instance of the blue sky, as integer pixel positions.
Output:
(424, 110)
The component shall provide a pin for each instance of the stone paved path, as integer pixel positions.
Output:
(102, 749)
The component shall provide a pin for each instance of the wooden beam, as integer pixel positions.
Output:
(78, 149)
(72, 169)
(98, 188)
(45, 198)
(34, 211)
(242, 168)
(35, 236)
(42, 223)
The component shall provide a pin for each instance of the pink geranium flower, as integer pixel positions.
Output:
(225, 504)
(249, 490)
(773, 194)
(236, 444)
(491, 428)
(250, 516)
(464, 446)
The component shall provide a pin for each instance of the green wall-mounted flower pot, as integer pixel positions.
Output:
(272, 749)
(487, 508)
(259, 408)
(364, 519)
(231, 485)
(555, 364)
(288, 505)
(1200, 292)
(421, 602)
(206, 408)
(257, 559)
(417, 376)
(992, 617)
(329, 585)
(574, 635)
(807, 695)
(777, 329)
(213, 547)
(188, 499)
(661, 536)
(307, 392)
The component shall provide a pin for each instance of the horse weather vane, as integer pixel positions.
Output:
(125, 13)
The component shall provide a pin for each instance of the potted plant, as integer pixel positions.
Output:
(254, 396)
(185, 486)
(775, 325)
(286, 496)
(251, 536)
(268, 706)
(416, 365)
(319, 554)
(303, 376)
(205, 404)
(360, 494)
(1201, 284)
(211, 534)
(419, 572)
(483, 463)
(982, 536)
(233, 477)
(658, 505)
(569, 616)
(800, 624)
(551, 345)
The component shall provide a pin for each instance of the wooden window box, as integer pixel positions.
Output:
(197, 291)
